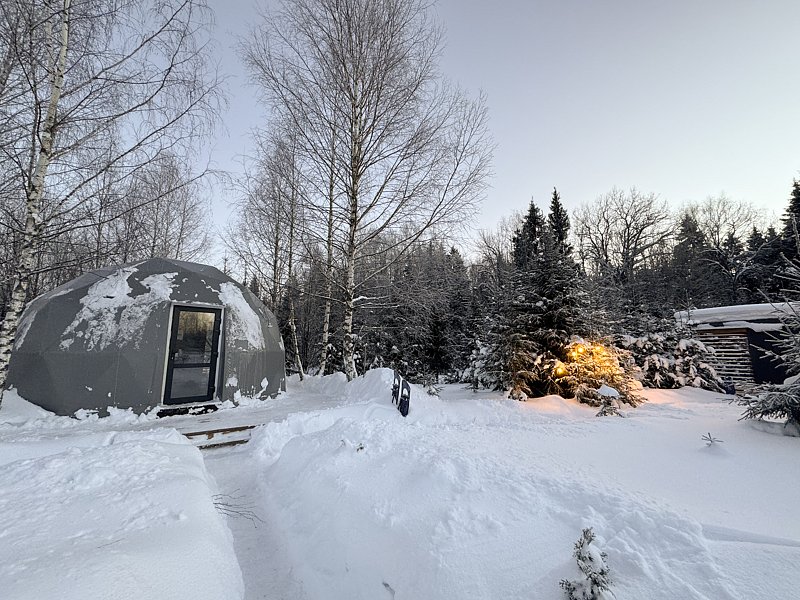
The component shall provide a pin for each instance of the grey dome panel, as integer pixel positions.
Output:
(101, 339)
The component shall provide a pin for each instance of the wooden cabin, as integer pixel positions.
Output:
(742, 337)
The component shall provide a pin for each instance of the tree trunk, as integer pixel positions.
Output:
(348, 353)
(326, 315)
(33, 204)
(276, 249)
(298, 362)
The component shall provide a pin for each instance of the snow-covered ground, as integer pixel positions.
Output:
(471, 496)
(87, 514)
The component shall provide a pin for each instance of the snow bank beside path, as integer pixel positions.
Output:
(111, 515)
(473, 496)
(375, 509)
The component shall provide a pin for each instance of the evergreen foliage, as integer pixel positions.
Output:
(791, 223)
(690, 269)
(527, 241)
(538, 309)
(558, 220)
(764, 255)
(596, 582)
(784, 401)
(589, 365)
(668, 360)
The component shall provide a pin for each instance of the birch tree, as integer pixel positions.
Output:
(410, 152)
(92, 89)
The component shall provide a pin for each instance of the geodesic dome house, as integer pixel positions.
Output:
(156, 333)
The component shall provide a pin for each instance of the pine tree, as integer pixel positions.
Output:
(526, 243)
(538, 313)
(690, 280)
(791, 223)
(558, 220)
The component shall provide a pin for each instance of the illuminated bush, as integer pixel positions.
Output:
(589, 365)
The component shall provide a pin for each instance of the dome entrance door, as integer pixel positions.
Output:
(193, 354)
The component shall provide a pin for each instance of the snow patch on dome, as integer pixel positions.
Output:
(245, 324)
(111, 314)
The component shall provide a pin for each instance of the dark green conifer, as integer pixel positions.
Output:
(558, 220)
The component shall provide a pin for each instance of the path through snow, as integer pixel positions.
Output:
(474, 496)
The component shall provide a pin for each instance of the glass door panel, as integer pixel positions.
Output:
(193, 353)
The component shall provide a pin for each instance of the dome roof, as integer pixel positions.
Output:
(101, 339)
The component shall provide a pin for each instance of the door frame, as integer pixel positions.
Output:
(220, 354)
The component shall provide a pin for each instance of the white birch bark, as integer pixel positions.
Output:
(34, 194)
(348, 349)
(298, 363)
(326, 315)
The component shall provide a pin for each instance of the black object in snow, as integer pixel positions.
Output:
(401, 394)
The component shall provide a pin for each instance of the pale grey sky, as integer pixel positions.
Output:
(683, 98)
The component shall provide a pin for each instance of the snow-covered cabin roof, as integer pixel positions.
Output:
(758, 317)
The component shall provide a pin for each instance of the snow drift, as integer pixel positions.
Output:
(96, 515)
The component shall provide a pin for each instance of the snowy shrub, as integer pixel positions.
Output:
(782, 402)
(596, 581)
(667, 361)
(589, 365)
(477, 374)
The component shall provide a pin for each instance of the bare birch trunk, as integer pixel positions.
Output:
(356, 156)
(298, 362)
(326, 316)
(33, 203)
(275, 284)
(348, 350)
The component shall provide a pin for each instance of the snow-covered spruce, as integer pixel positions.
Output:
(668, 360)
(596, 581)
(590, 365)
(783, 402)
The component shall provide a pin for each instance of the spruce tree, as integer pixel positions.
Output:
(526, 243)
(538, 313)
(764, 256)
(558, 221)
(791, 222)
(459, 325)
(783, 401)
(520, 348)
(689, 267)
(755, 240)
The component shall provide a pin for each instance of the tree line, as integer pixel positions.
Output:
(508, 311)
(367, 171)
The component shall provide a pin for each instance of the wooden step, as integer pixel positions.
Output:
(220, 437)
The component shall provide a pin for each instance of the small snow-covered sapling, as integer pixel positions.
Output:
(596, 584)
(710, 439)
